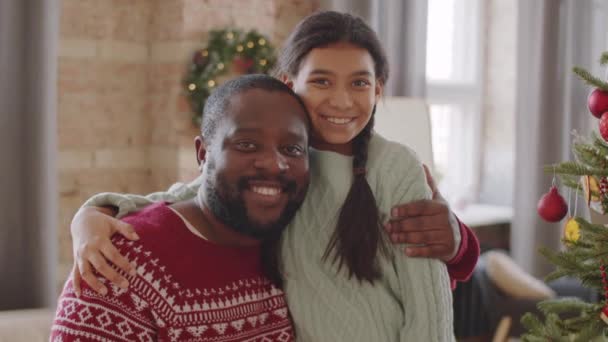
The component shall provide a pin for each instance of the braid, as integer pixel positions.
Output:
(357, 238)
(360, 145)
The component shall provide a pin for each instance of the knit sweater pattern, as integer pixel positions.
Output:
(186, 289)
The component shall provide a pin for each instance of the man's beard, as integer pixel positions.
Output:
(227, 204)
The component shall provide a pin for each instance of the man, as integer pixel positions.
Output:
(199, 262)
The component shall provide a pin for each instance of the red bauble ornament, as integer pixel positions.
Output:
(598, 102)
(242, 64)
(604, 314)
(552, 207)
(604, 126)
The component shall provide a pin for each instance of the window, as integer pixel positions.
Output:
(454, 87)
(599, 34)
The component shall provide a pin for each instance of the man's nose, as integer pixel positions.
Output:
(272, 161)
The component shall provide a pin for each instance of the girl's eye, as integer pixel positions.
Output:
(245, 146)
(361, 83)
(320, 82)
(294, 150)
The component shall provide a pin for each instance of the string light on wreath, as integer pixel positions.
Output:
(229, 52)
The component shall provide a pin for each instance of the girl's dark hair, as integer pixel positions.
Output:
(357, 240)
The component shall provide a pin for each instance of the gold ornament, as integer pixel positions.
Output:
(250, 44)
(239, 48)
(192, 86)
(205, 53)
(211, 83)
(572, 231)
(229, 35)
(591, 187)
(263, 62)
(220, 66)
(262, 41)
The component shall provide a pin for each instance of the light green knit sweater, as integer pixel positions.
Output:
(412, 301)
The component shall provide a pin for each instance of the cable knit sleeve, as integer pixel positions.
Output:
(128, 203)
(424, 284)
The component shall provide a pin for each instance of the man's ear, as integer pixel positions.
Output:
(288, 81)
(201, 151)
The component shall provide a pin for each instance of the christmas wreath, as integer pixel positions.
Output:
(229, 51)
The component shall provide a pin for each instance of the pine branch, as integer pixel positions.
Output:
(567, 168)
(554, 328)
(604, 58)
(562, 305)
(591, 331)
(593, 231)
(533, 338)
(557, 274)
(578, 323)
(600, 143)
(564, 260)
(590, 79)
(590, 155)
(532, 323)
(574, 169)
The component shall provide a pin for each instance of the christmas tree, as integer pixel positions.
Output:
(585, 255)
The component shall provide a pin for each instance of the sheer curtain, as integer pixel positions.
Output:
(553, 36)
(28, 67)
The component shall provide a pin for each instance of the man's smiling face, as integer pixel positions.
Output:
(256, 164)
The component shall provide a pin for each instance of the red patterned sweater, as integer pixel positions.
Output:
(186, 289)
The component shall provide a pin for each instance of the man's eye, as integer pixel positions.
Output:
(245, 146)
(294, 150)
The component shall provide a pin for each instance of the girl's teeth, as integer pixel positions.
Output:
(268, 191)
(339, 121)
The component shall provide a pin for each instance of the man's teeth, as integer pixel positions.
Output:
(268, 191)
(339, 121)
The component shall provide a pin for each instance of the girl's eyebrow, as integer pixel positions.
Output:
(328, 72)
(362, 73)
(321, 72)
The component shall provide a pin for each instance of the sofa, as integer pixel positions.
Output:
(33, 325)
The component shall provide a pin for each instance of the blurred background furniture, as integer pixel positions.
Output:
(26, 325)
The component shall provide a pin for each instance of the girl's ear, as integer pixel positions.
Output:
(287, 80)
(378, 90)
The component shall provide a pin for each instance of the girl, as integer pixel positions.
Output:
(343, 280)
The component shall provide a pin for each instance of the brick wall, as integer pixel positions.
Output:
(123, 123)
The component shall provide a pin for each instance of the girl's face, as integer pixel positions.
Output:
(339, 87)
